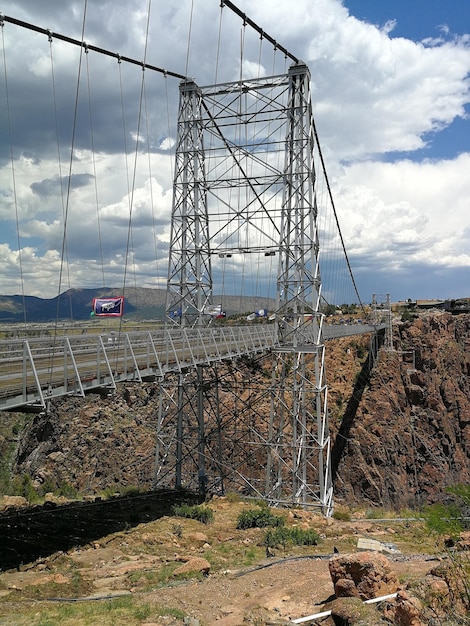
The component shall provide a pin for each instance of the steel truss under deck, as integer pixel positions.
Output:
(245, 184)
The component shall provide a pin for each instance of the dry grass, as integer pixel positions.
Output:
(140, 561)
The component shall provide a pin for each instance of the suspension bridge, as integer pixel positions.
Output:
(252, 213)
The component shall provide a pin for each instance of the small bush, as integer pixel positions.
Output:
(291, 537)
(443, 519)
(23, 486)
(377, 513)
(258, 518)
(233, 497)
(342, 515)
(200, 513)
(67, 490)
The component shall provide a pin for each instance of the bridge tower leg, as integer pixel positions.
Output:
(298, 449)
(189, 286)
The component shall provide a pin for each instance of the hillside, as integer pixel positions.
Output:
(76, 305)
(167, 569)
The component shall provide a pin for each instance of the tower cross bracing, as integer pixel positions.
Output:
(245, 184)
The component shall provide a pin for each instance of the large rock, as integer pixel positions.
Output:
(12, 501)
(408, 610)
(193, 565)
(353, 611)
(364, 575)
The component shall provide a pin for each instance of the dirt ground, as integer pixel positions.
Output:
(285, 589)
(244, 586)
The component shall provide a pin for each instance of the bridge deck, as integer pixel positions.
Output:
(35, 370)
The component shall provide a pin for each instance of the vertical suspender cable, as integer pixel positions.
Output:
(12, 158)
(59, 160)
(219, 208)
(152, 205)
(92, 140)
(67, 202)
(241, 244)
(72, 146)
(172, 169)
(136, 153)
(189, 38)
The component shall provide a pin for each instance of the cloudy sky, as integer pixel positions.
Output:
(391, 100)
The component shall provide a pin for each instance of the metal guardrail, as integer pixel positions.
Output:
(36, 370)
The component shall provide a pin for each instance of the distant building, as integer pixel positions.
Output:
(460, 305)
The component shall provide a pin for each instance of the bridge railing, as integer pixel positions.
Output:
(34, 370)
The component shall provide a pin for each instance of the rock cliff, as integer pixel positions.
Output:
(401, 430)
(410, 437)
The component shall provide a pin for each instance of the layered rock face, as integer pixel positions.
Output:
(409, 439)
(93, 443)
(401, 434)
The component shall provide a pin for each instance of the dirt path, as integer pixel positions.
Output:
(243, 586)
(287, 589)
(276, 590)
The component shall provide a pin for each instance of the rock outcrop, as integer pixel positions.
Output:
(364, 575)
(410, 437)
(93, 443)
(404, 427)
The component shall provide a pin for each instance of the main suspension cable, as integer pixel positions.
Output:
(81, 44)
(247, 20)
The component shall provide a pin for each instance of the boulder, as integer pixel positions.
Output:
(464, 541)
(365, 575)
(408, 610)
(12, 501)
(193, 565)
(352, 611)
(198, 538)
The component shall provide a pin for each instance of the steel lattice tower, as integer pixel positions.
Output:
(298, 467)
(245, 184)
(189, 286)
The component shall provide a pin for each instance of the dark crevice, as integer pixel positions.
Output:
(350, 412)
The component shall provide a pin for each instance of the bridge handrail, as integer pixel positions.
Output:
(34, 370)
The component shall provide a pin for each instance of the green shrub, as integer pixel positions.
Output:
(443, 519)
(67, 490)
(23, 486)
(48, 486)
(291, 537)
(377, 513)
(342, 515)
(462, 492)
(233, 497)
(258, 518)
(200, 513)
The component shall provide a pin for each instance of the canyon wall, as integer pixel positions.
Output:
(401, 429)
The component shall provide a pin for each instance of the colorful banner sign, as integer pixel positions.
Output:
(108, 307)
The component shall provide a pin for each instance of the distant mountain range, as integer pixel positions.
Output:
(76, 305)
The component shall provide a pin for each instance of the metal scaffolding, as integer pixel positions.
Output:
(245, 185)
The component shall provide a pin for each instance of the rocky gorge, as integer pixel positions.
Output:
(400, 428)
(400, 432)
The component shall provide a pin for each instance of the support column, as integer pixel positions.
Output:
(298, 450)
(189, 287)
